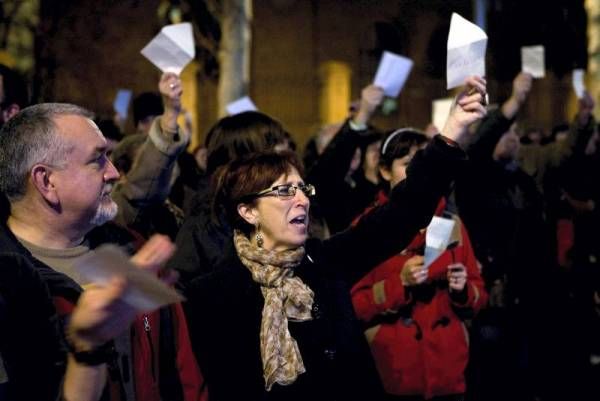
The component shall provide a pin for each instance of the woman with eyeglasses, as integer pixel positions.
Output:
(414, 313)
(268, 324)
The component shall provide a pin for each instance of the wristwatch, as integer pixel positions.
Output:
(94, 357)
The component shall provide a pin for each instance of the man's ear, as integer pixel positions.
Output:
(42, 180)
(248, 212)
(385, 173)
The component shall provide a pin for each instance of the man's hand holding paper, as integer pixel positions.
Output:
(144, 291)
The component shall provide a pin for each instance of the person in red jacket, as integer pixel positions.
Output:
(415, 314)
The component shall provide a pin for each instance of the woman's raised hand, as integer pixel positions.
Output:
(469, 106)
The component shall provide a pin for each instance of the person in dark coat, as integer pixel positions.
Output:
(333, 171)
(504, 212)
(202, 237)
(266, 324)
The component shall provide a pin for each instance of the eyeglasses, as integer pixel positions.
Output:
(286, 191)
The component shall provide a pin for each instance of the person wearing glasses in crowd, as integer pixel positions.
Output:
(414, 313)
(267, 324)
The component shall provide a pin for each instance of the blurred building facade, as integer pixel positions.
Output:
(310, 58)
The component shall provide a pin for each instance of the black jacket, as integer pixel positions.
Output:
(201, 239)
(503, 210)
(339, 201)
(224, 308)
(30, 336)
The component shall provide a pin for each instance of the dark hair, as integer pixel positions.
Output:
(126, 150)
(146, 104)
(15, 88)
(560, 128)
(237, 181)
(240, 134)
(109, 129)
(398, 144)
(369, 138)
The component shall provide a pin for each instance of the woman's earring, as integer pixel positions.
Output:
(259, 238)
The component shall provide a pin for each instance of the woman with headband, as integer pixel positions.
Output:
(414, 313)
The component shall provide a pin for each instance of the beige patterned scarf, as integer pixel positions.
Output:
(286, 298)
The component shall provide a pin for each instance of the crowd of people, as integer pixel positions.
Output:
(305, 276)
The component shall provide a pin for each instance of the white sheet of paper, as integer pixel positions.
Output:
(437, 238)
(532, 61)
(241, 105)
(440, 110)
(145, 291)
(578, 83)
(172, 49)
(392, 73)
(121, 103)
(466, 48)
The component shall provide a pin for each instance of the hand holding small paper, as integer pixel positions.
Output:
(457, 276)
(371, 97)
(520, 89)
(171, 90)
(467, 109)
(144, 291)
(100, 315)
(521, 86)
(413, 272)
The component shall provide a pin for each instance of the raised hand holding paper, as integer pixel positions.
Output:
(578, 84)
(532, 61)
(465, 51)
(241, 105)
(172, 49)
(392, 73)
(144, 291)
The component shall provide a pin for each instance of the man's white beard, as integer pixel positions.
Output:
(105, 212)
